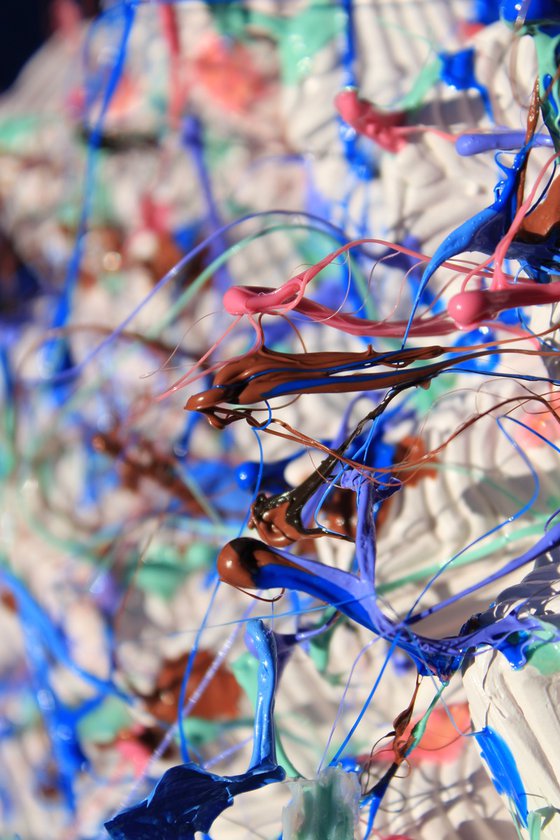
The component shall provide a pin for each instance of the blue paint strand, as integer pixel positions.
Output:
(503, 768)
(187, 798)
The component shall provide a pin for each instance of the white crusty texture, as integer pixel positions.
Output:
(521, 705)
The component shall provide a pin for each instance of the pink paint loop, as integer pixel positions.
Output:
(250, 300)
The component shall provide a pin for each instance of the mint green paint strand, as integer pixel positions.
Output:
(165, 568)
(480, 553)
(546, 46)
(200, 732)
(420, 728)
(325, 808)
(299, 38)
(424, 398)
(425, 81)
(319, 646)
(538, 820)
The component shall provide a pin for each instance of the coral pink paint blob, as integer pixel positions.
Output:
(468, 30)
(135, 753)
(228, 74)
(540, 421)
(66, 18)
(125, 97)
(441, 743)
(363, 117)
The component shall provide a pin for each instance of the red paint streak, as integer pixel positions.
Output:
(363, 117)
(170, 26)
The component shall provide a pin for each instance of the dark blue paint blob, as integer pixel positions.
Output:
(186, 237)
(503, 768)
(187, 798)
(457, 70)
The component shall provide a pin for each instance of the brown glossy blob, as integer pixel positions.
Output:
(206, 399)
(141, 461)
(279, 517)
(243, 381)
(273, 525)
(219, 701)
(240, 560)
(236, 564)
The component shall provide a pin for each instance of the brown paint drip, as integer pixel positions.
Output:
(244, 381)
(278, 518)
(412, 449)
(146, 462)
(167, 254)
(240, 560)
(274, 525)
(339, 510)
(532, 121)
(219, 701)
(544, 219)
(248, 380)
